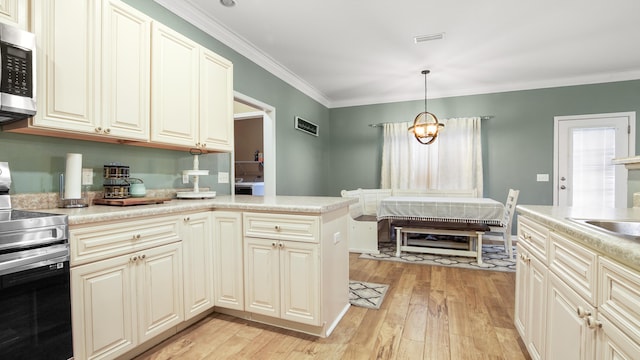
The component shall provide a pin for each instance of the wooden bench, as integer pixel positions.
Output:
(472, 232)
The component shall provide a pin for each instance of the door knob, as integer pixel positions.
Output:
(563, 178)
(562, 187)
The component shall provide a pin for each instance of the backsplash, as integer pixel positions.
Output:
(35, 201)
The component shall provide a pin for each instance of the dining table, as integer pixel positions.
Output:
(468, 217)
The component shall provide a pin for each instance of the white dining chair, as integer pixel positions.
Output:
(507, 220)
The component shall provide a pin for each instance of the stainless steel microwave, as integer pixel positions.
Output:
(17, 74)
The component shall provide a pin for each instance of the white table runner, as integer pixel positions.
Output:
(453, 209)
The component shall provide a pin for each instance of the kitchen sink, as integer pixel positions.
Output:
(618, 227)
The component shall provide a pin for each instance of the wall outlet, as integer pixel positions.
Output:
(223, 177)
(87, 176)
(542, 177)
(185, 178)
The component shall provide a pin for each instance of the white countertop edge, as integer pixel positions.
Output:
(619, 248)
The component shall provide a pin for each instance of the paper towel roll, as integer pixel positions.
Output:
(73, 177)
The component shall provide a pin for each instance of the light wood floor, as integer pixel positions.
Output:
(429, 312)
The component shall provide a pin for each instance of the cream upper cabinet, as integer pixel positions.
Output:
(15, 12)
(228, 260)
(126, 57)
(192, 94)
(216, 102)
(68, 62)
(175, 91)
(93, 69)
(197, 247)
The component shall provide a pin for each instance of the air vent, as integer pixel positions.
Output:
(306, 126)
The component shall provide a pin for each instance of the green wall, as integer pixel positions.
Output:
(517, 141)
(302, 160)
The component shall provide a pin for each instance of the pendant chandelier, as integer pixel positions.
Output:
(426, 126)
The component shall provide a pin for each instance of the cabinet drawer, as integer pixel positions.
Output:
(619, 297)
(97, 242)
(282, 227)
(536, 237)
(574, 264)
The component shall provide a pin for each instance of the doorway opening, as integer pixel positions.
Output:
(584, 147)
(256, 112)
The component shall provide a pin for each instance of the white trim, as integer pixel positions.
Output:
(631, 115)
(268, 114)
(197, 17)
(186, 10)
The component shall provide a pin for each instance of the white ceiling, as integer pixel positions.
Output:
(355, 52)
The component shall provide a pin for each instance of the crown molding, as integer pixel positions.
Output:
(522, 86)
(189, 12)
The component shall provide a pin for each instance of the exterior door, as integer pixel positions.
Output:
(583, 149)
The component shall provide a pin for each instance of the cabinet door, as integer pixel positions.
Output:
(262, 276)
(228, 264)
(568, 337)
(159, 286)
(14, 12)
(536, 308)
(614, 344)
(103, 299)
(67, 35)
(522, 281)
(300, 282)
(126, 62)
(175, 89)
(197, 247)
(216, 102)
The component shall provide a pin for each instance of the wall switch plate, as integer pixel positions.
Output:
(185, 178)
(87, 176)
(542, 177)
(337, 237)
(223, 177)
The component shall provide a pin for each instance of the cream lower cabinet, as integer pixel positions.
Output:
(123, 301)
(197, 251)
(531, 300)
(589, 310)
(281, 279)
(296, 269)
(228, 260)
(568, 335)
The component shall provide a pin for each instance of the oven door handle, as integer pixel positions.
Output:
(29, 259)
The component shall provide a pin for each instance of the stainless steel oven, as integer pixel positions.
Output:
(35, 300)
(35, 297)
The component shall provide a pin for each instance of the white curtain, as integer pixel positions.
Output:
(453, 161)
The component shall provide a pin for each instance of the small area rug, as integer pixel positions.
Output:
(493, 257)
(365, 294)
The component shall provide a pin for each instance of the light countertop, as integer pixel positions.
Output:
(621, 248)
(297, 204)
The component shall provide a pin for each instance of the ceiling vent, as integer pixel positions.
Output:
(306, 126)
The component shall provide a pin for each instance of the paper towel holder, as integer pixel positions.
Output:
(70, 203)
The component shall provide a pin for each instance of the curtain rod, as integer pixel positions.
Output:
(484, 117)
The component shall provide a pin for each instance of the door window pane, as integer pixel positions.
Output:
(593, 171)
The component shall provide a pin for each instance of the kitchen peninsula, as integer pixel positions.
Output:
(577, 286)
(140, 274)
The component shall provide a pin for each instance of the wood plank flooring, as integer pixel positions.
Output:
(429, 312)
